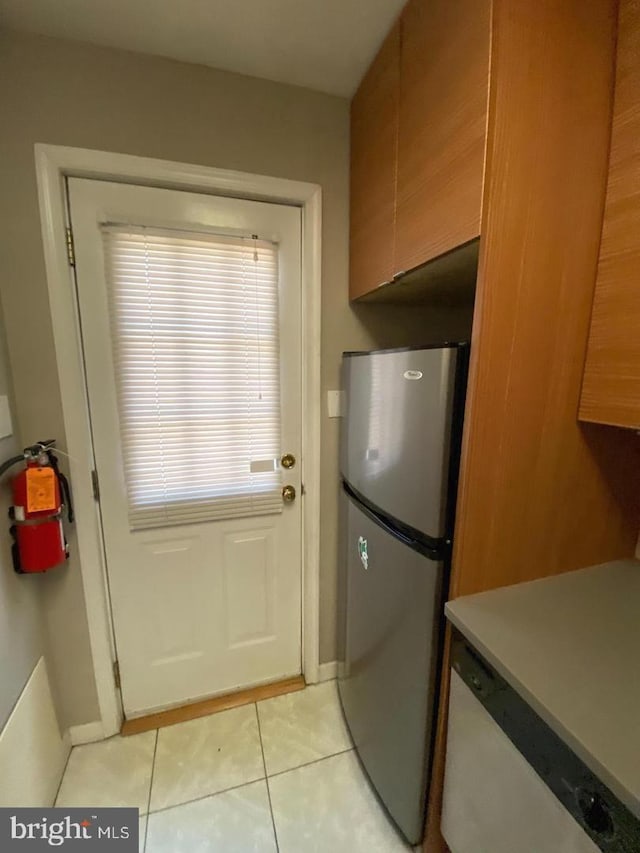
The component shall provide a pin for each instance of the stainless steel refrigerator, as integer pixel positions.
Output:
(400, 446)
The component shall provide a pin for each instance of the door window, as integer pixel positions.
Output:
(194, 332)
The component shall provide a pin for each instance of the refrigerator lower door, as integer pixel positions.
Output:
(387, 680)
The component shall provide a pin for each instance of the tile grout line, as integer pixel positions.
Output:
(208, 796)
(266, 779)
(153, 767)
(309, 763)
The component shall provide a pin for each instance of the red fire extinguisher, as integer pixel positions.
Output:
(39, 541)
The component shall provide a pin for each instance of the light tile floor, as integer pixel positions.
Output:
(279, 775)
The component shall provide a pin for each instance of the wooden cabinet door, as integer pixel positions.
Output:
(374, 136)
(444, 73)
(611, 388)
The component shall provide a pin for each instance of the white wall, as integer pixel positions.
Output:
(21, 640)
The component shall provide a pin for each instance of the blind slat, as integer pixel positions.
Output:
(194, 328)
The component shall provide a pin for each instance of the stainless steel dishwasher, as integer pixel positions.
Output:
(511, 784)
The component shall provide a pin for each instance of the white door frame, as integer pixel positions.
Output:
(53, 164)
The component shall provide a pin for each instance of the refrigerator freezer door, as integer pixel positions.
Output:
(396, 433)
(387, 679)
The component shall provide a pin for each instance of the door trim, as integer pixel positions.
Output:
(55, 163)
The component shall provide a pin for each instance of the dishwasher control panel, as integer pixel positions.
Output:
(607, 821)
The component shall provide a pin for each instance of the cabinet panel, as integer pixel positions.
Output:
(539, 493)
(611, 389)
(444, 75)
(374, 136)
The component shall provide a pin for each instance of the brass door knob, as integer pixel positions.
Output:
(288, 494)
(288, 460)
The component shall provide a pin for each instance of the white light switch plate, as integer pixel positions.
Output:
(6, 427)
(335, 404)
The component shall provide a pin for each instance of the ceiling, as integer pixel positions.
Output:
(321, 44)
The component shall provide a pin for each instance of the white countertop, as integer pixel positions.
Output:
(570, 646)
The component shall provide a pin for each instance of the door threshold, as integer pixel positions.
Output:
(211, 706)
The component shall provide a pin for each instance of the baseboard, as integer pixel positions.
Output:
(86, 733)
(33, 753)
(327, 671)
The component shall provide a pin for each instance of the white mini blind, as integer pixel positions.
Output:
(194, 328)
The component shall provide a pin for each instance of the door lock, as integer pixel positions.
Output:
(288, 494)
(288, 461)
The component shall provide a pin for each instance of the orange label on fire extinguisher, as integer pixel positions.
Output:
(41, 489)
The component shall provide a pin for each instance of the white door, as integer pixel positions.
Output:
(189, 310)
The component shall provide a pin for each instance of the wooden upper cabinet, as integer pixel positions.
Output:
(374, 136)
(611, 388)
(444, 80)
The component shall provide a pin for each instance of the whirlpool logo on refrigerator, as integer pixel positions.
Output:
(363, 551)
(31, 830)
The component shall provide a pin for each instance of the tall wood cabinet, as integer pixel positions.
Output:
(374, 141)
(539, 493)
(611, 389)
(418, 132)
(444, 74)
